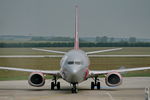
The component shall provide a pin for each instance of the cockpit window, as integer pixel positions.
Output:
(70, 62)
(77, 62)
(74, 62)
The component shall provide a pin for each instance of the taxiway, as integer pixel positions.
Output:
(133, 88)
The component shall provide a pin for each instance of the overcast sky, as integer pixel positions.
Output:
(113, 18)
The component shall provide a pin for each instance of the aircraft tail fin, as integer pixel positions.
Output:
(76, 37)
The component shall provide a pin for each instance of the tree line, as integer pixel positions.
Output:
(71, 44)
(103, 39)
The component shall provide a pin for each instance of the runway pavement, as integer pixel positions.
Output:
(132, 89)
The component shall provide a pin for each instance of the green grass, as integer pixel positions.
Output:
(14, 78)
(124, 51)
(29, 51)
(137, 74)
(99, 63)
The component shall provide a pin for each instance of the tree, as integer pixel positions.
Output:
(98, 39)
(111, 39)
(132, 39)
(104, 39)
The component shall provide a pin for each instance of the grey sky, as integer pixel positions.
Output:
(117, 18)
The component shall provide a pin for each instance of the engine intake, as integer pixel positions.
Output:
(36, 79)
(113, 79)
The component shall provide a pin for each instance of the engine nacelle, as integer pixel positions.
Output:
(36, 79)
(113, 79)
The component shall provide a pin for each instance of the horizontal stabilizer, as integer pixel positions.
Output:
(52, 51)
(31, 56)
(118, 55)
(100, 51)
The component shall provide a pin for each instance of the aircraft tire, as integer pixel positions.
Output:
(52, 85)
(58, 85)
(92, 85)
(98, 85)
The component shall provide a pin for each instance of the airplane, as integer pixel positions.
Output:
(74, 68)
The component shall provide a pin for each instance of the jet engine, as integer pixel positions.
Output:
(113, 79)
(36, 79)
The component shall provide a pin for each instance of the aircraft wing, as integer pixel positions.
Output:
(101, 72)
(32, 70)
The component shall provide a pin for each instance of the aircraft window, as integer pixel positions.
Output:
(70, 62)
(78, 62)
(74, 62)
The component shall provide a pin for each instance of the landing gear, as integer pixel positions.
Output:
(74, 88)
(55, 84)
(96, 83)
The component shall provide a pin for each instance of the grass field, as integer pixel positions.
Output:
(101, 63)
(29, 51)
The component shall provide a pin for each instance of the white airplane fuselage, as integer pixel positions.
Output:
(74, 66)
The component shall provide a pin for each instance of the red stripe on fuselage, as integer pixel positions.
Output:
(86, 74)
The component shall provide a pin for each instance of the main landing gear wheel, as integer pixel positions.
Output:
(55, 84)
(96, 83)
(74, 89)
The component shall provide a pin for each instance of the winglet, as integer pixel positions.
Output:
(76, 37)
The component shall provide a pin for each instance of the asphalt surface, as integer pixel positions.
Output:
(132, 89)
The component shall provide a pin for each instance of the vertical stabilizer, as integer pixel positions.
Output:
(76, 38)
